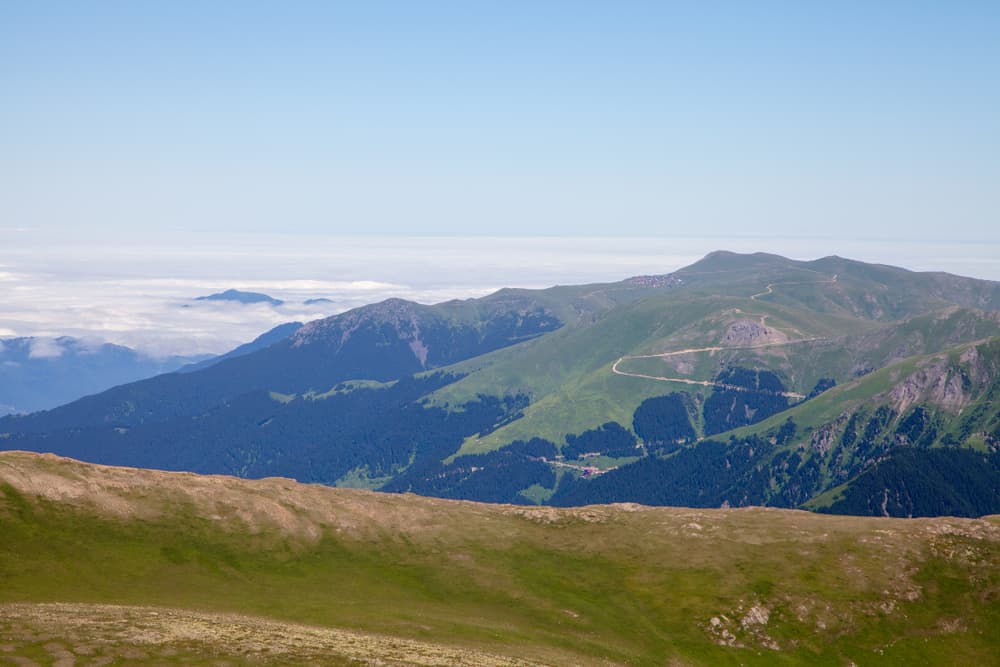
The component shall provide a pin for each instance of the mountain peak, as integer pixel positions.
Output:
(389, 311)
(238, 296)
(727, 260)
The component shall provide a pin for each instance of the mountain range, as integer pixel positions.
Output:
(831, 385)
(38, 373)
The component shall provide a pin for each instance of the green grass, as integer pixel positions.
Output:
(584, 586)
(567, 373)
(346, 387)
(870, 389)
(360, 478)
(607, 462)
(537, 494)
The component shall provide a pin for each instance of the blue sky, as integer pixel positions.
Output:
(847, 120)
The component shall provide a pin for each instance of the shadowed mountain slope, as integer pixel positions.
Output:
(382, 342)
(42, 373)
(266, 339)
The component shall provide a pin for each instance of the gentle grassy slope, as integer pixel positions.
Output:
(595, 585)
(860, 316)
(569, 378)
(568, 373)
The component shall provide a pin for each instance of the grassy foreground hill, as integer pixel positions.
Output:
(104, 565)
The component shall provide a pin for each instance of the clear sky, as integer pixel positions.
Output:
(840, 119)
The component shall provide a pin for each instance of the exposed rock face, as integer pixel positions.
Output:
(944, 383)
(825, 437)
(400, 314)
(744, 333)
(660, 280)
(911, 390)
(977, 366)
(419, 348)
(757, 615)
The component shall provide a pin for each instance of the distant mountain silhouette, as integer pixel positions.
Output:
(241, 297)
(41, 373)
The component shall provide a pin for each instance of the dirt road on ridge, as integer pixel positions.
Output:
(718, 348)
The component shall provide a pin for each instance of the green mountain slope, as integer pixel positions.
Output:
(575, 384)
(144, 567)
(384, 341)
(816, 452)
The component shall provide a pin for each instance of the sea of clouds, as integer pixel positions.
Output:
(140, 291)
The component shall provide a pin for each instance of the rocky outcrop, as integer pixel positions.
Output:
(946, 384)
(746, 333)
(825, 437)
(400, 314)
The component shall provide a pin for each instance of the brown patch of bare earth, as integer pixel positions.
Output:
(101, 634)
(274, 504)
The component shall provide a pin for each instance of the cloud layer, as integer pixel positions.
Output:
(140, 292)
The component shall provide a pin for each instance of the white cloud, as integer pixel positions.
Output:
(45, 348)
(304, 286)
(135, 293)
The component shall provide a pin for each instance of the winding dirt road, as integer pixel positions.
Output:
(716, 348)
(705, 383)
(770, 288)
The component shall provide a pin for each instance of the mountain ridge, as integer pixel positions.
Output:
(106, 548)
(269, 337)
(42, 372)
(731, 369)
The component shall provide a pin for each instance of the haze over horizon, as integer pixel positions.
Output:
(141, 294)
